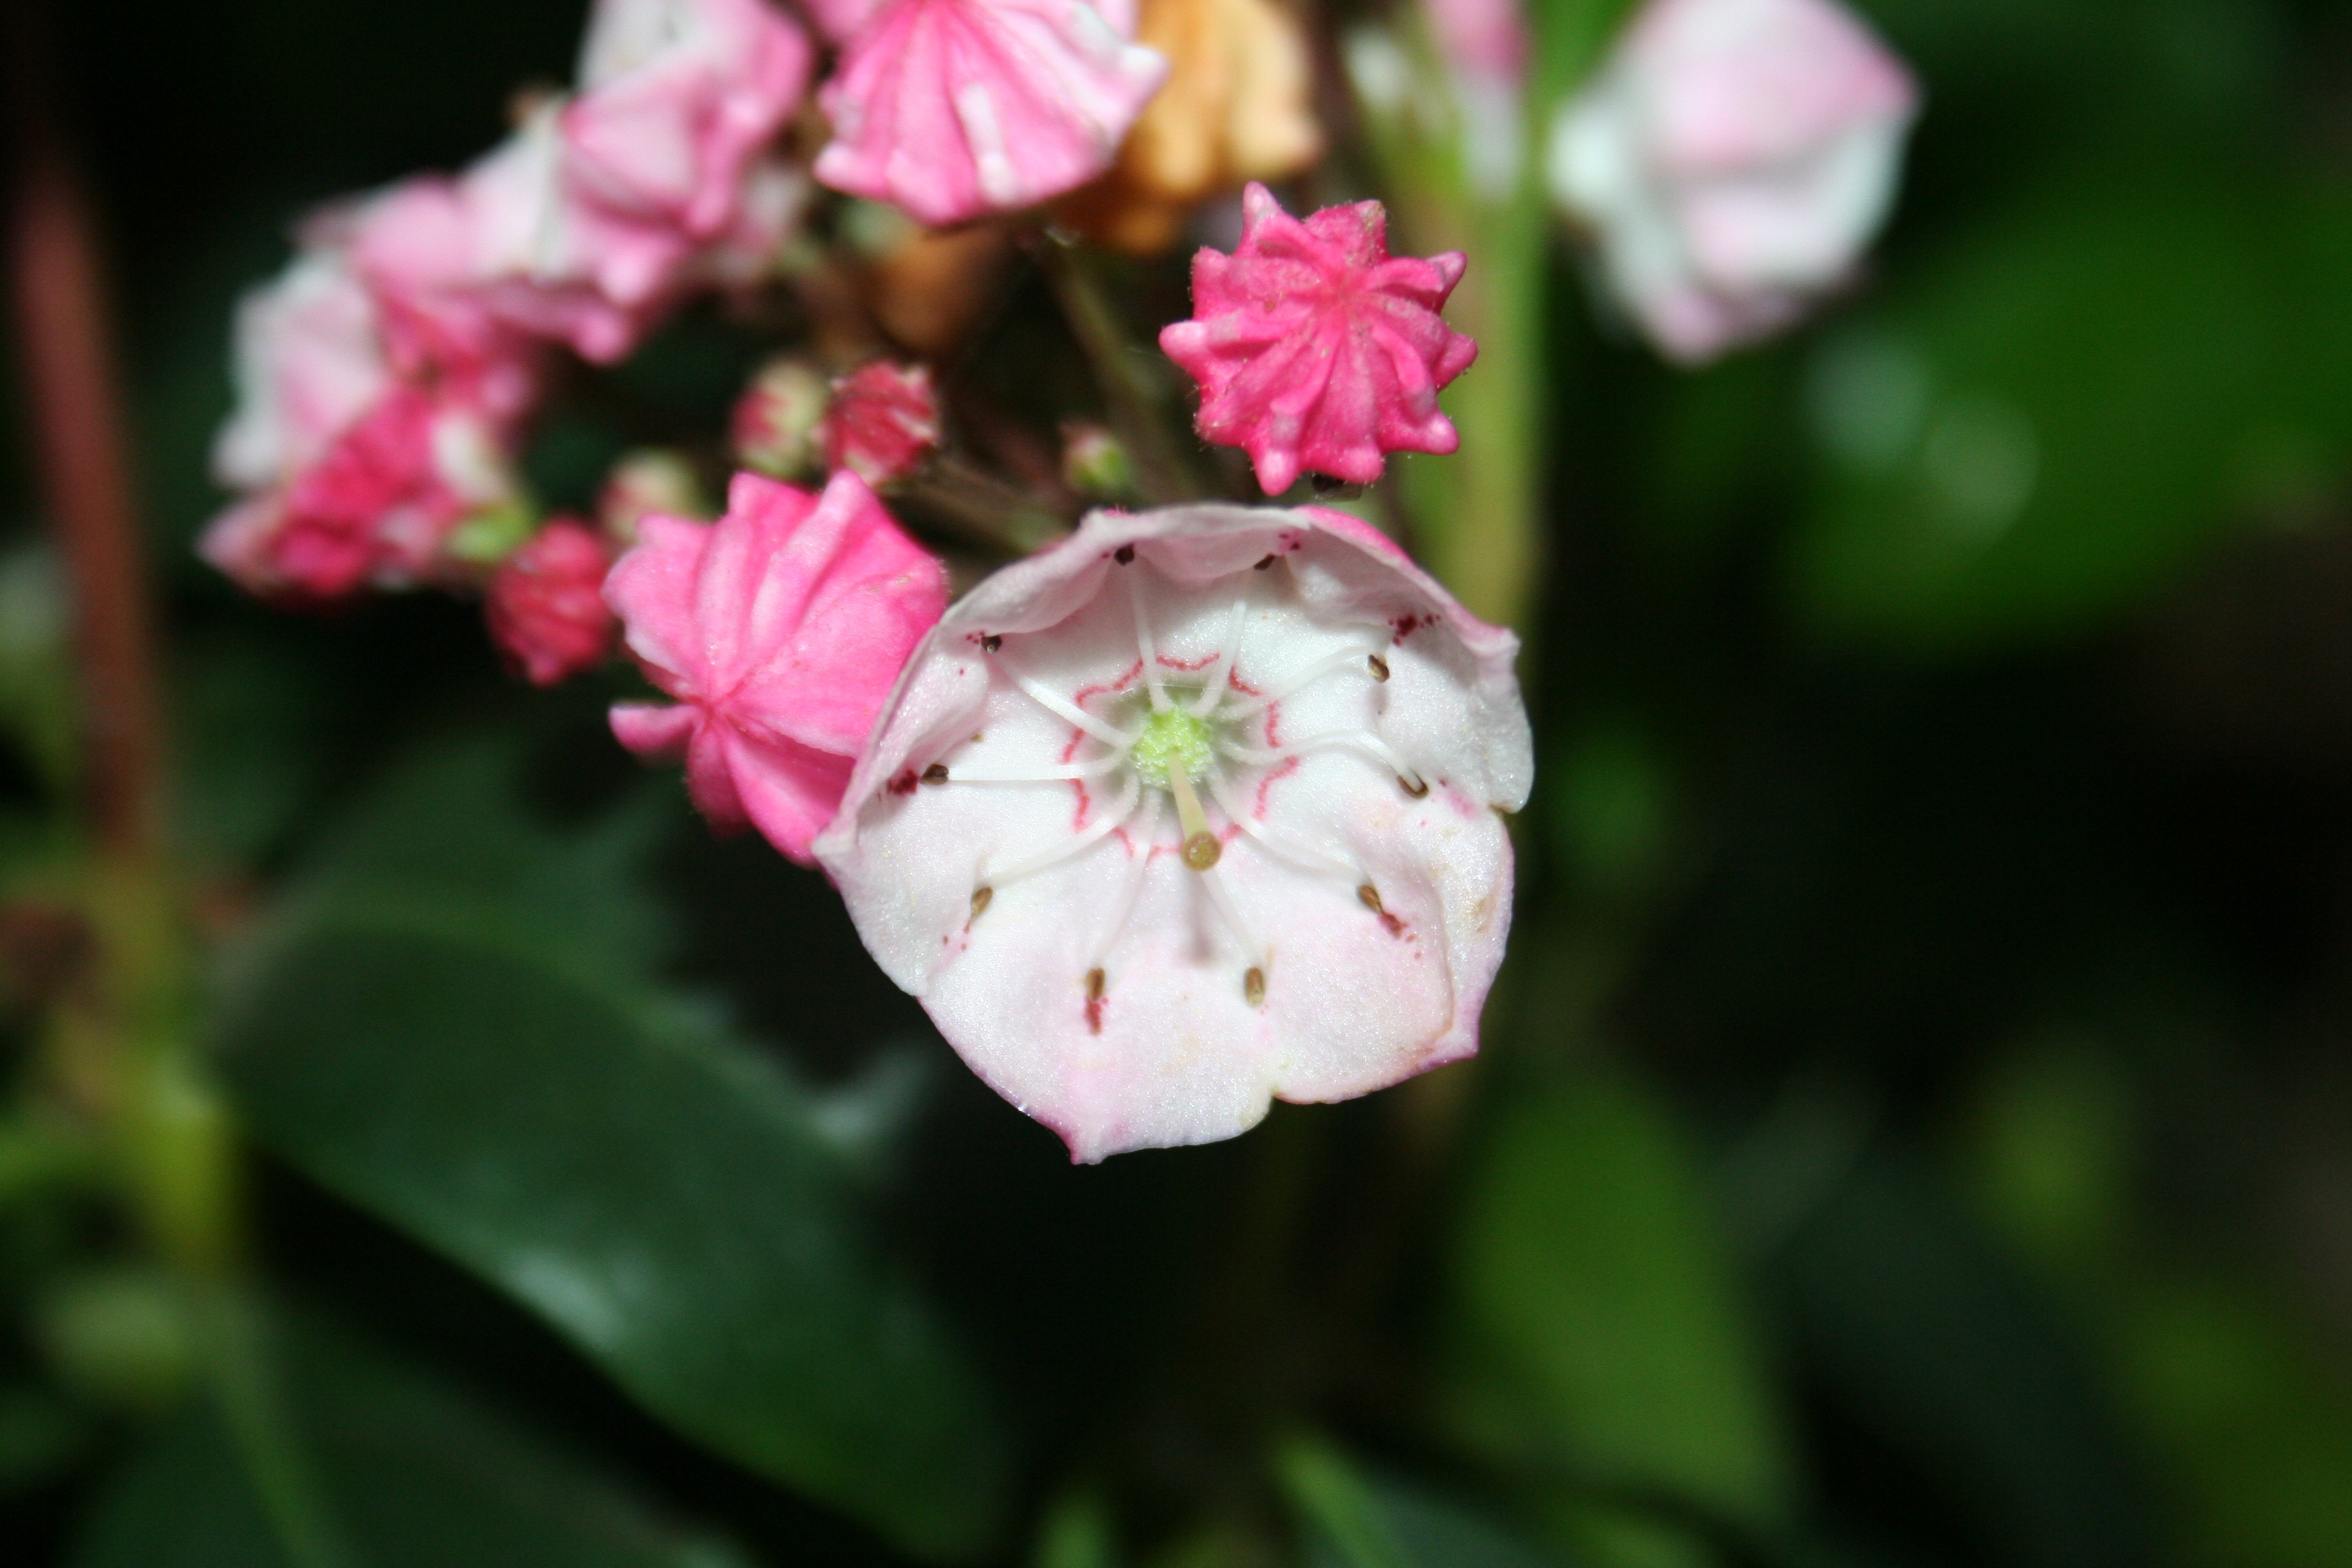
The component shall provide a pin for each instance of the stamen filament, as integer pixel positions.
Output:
(1093, 768)
(1145, 646)
(1061, 707)
(1353, 739)
(1086, 838)
(1284, 845)
(1116, 926)
(1357, 654)
(1214, 692)
(1215, 883)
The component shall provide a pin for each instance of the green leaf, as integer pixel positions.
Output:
(2067, 410)
(415, 1474)
(1924, 1339)
(1601, 1339)
(447, 1032)
(1352, 1518)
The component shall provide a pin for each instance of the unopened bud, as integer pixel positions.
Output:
(883, 420)
(654, 480)
(1095, 465)
(773, 429)
(546, 604)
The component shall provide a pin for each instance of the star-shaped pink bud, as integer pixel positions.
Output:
(951, 109)
(1316, 350)
(1199, 807)
(779, 629)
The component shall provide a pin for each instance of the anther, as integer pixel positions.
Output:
(990, 643)
(937, 774)
(1093, 985)
(980, 897)
(1379, 667)
(1416, 787)
(1254, 987)
(1201, 850)
(1124, 554)
(1265, 562)
(1369, 897)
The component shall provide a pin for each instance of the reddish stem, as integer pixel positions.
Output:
(82, 453)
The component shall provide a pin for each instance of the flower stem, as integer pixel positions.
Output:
(83, 457)
(1144, 410)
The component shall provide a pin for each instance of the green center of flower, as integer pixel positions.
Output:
(1173, 737)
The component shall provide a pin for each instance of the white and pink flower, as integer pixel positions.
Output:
(1735, 157)
(1197, 808)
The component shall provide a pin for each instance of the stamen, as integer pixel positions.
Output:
(1144, 646)
(1201, 846)
(1214, 692)
(1085, 838)
(1095, 983)
(1351, 740)
(1061, 707)
(1301, 678)
(1093, 768)
(1284, 844)
(1140, 863)
(1379, 667)
(1369, 897)
(1254, 987)
(937, 774)
(1214, 881)
(980, 898)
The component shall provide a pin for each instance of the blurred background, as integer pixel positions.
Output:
(1915, 1127)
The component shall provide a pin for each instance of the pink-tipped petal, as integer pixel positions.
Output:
(951, 109)
(1316, 351)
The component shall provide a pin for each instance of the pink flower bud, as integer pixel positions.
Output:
(779, 630)
(376, 506)
(546, 605)
(1735, 157)
(774, 425)
(1196, 808)
(654, 480)
(1315, 349)
(675, 98)
(951, 109)
(883, 419)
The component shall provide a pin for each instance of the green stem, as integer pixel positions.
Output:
(276, 1459)
(1144, 408)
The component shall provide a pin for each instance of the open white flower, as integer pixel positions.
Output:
(1199, 807)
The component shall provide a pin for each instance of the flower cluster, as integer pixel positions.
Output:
(1194, 807)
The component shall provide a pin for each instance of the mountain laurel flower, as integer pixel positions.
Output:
(953, 109)
(1735, 157)
(309, 359)
(375, 506)
(882, 420)
(1198, 808)
(546, 605)
(779, 629)
(1238, 105)
(677, 98)
(1318, 350)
